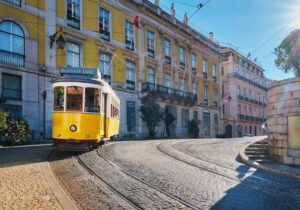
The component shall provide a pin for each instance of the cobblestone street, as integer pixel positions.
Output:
(161, 174)
(203, 173)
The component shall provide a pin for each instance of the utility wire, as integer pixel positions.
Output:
(275, 34)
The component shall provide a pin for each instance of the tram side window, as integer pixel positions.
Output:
(58, 104)
(92, 102)
(74, 98)
(114, 112)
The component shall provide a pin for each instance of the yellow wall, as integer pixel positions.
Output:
(31, 23)
(40, 4)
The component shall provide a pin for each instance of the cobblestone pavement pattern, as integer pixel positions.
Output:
(204, 173)
(22, 181)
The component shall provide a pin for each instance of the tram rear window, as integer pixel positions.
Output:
(74, 98)
(92, 102)
(58, 104)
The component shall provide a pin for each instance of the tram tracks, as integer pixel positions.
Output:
(171, 200)
(211, 168)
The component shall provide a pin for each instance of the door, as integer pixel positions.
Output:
(104, 105)
(131, 116)
(228, 131)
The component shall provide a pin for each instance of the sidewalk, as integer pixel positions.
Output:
(27, 181)
(278, 168)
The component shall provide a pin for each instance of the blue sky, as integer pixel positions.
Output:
(246, 24)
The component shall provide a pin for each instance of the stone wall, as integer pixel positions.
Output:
(283, 110)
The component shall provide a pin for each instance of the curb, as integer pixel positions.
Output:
(245, 159)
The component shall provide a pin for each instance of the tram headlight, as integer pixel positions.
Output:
(73, 128)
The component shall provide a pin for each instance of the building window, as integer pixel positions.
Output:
(239, 109)
(214, 72)
(182, 57)
(105, 66)
(16, 3)
(195, 115)
(237, 70)
(222, 70)
(150, 44)
(216, 123)
(129, 36)
(182, 84)
(194, 88)
(104, 24)
(11, 87)
(215, 97)
(239, 90)
(194, 62)
(73, 54)
(168, 80)
(185, 118)
(223, 109)
(223, 90)
(131, 116)
(168, 51)
(12, 44)
(204, 70)
(151, 75)
(14, 111)
(73, 11)
(130, 75)
(205, 93)
(204, 66)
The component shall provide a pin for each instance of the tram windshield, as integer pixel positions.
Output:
(58, 104)
(92, 102)
(74, 99)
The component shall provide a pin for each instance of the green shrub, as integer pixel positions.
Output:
(193, 129)
(15, 132)
(3, 119)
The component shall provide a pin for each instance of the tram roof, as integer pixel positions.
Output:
(78, 78)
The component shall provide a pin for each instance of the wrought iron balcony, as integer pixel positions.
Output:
(241, 77)
(171, 93)
(151, 53)
(168, 60)
(129, 45)
(11, 58)
(16, 3)
(130, 85)
(105, 35)
(205, 75)
(244, 98)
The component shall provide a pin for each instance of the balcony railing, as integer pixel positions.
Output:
(16, 3)
(11, 58)
(244, 98)
(129, 45)
(150, 87)
(168, 59)
(11, 93)
(73, 20)
(130, 85)
(250, 118)
(237, 75)
(205, 75)
(105, 35)
(151, 53)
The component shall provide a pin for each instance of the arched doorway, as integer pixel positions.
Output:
(228, 131)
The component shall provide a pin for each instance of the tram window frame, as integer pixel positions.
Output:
(98, 97)
(67, 99)
(54, 99)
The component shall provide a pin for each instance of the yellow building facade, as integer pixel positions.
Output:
(164, 58)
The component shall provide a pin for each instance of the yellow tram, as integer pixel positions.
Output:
(86, 110)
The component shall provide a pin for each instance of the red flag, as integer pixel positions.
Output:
(136, 22)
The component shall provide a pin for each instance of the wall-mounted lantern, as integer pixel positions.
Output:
(60, 41)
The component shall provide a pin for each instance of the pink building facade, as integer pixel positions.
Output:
(244, 90)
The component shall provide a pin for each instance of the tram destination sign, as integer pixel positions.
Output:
(79, 71)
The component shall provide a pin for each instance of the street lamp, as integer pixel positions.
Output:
(60, 41)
